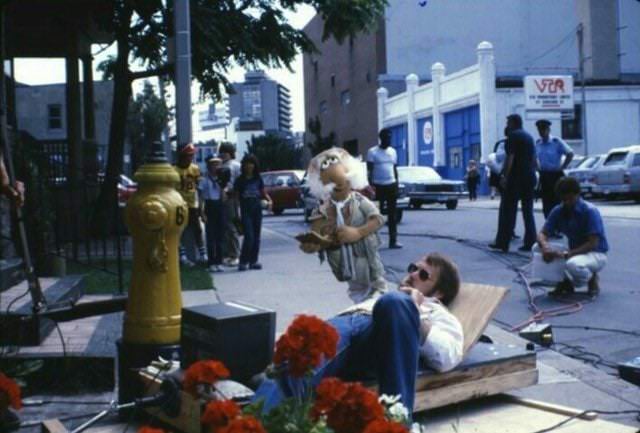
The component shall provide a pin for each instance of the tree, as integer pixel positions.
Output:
(320, 143)
(148, 116)
(275, 152)
(223, 33)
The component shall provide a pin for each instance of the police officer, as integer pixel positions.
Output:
(550, 150)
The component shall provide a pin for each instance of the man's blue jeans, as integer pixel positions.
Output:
(382, 346)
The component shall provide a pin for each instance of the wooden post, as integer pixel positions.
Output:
(88, 98)
(73, 112)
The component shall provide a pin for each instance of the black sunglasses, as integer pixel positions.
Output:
(424, 274)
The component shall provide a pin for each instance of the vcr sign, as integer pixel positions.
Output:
(548, 92)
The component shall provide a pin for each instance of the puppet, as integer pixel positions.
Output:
(345, 224)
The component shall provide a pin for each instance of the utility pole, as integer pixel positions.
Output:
(583, 105)
(183, 71)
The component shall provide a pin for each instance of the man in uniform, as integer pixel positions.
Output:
(189, 178)
(550, 150)
(382, 169)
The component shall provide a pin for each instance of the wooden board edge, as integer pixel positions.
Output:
(439, 397)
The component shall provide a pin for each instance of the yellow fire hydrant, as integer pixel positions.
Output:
(155, 215)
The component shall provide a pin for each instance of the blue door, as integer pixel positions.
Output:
(399, 142)
(425, 141)
(462, 140)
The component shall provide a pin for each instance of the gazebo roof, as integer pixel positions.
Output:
(43, 28)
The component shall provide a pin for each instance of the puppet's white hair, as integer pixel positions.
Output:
(356, 172)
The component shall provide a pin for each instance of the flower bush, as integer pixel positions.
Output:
(9, 394)
(334, 407)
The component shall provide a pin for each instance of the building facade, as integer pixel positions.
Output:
(261, 104)
(527, 38)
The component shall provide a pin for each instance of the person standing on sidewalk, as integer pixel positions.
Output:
(382, 169)
(227, 153)
(189, 178)
(518, 181)
(582, 223)
(250, 191)
(212, 195)
(550, 150)
(473, 178)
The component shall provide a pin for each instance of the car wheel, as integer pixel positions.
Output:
(452, 204)
(399, 213)
(278, 211)
(415, 204)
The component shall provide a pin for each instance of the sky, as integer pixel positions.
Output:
(47, 71)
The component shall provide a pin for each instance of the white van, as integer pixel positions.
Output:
(619, 174)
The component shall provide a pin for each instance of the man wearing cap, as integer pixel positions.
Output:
(211, 190)
(189, 177)
(550, 151)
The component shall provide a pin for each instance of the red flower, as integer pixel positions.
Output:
(247, 424)
(384, 426)
(306, 341)
(218, 414)
(147, 429)
(11, 390)
(207, 372)
(349, 407)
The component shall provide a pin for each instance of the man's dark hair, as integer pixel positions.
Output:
(514, 120)
(228, 148)
(567, 185)
(385, 135)
(448, 283)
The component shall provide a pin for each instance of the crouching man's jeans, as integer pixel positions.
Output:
(579, 269)
(382, 346)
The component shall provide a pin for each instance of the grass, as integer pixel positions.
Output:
(97, 281)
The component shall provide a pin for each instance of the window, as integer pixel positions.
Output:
(345, 98)
(55, 116)
(252, 102)
(572, 128)
(636, 160)
(323, 106)
(616, 158)
(333, 80)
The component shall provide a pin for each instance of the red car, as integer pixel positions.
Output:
(283, 186)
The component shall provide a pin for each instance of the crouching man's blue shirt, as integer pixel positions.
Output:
(578, 224)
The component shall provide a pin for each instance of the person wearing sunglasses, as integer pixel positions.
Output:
(388, 337)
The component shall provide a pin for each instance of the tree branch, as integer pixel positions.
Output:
(160, 70)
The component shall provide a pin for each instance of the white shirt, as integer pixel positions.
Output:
(443, 348)
(234, 170)
(383, 161)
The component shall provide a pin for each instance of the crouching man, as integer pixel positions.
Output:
(386, 337)
(581, 222)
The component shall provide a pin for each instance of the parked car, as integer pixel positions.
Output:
(619, 174)
(283, 186)
(576, 161)
(310, 202)
(584, 172)
(424, 185)
(126, 188)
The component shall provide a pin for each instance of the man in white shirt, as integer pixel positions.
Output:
(227, 152)
(388, 336)
(382, 169)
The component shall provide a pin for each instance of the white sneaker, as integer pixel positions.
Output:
(231, 262)
(184, 261)
(204, 259)
(215, 268)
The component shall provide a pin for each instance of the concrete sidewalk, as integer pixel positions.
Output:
(609, 209)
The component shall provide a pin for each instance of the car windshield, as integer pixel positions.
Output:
(418, 174)
(589, 162)
(577, 162)
(616, 158)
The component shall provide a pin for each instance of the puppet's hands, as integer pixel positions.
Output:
(348, 235)
(310, 247)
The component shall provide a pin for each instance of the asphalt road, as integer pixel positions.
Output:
(464, 233)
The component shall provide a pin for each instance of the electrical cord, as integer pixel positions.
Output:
(585, 412)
